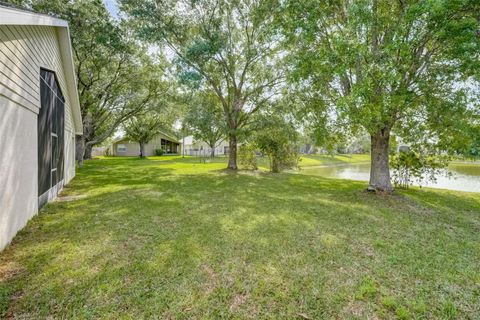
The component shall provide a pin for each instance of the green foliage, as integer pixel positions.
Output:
(205, 118)
(142, 129)
(276, 138)
(393, 145)
(247, 156)
(115, 76)
(406, 67)
(472, 149)
(159, 152)
(409, 167)
(229, 48)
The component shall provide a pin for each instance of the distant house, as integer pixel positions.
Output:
(194, 147)
(39, 115)
(99, 151)
(403, 148)
(307, 148)
(128, 148)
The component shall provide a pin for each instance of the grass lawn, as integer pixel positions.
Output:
(305, 160)
(322, 160)
(171, 238)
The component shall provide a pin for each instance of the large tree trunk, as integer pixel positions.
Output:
(183, 145)
(88, 151)
(88, 134)
(142, 149)
(79, 149)
(232, 152)
(274, 165)
(380, 170)
(212, 150)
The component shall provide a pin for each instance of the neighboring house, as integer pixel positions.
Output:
(99, 151)
(194, 147)
(403, 148)
(39, 115)
(307, 148)
(126, 147)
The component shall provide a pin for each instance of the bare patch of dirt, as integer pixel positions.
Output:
(212, 279)
(9, 270)
(237, 301)
(357, 309)
(13, 298)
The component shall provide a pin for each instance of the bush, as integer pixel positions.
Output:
(159, 152)
(285, 158)
(247, 157)
(409, 167)
(277, 139)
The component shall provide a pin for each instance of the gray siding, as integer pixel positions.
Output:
(23, 51)
(133, 148)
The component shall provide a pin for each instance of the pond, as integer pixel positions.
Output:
(465, 176)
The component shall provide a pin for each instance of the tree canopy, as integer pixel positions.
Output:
(408, 69)
(230, 47)
(205, 119)
(142, 129)
(388, 66)
(116, 77)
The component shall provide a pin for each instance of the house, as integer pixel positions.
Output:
(307, 148)
(100, 151)
(125, 147)
(39, 115)
(194, 147)
(403, 148)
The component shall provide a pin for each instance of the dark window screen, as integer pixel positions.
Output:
(50, 132)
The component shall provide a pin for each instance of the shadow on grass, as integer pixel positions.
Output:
(147, 241)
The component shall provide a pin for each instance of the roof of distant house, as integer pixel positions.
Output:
(125, 138)
(12, 15)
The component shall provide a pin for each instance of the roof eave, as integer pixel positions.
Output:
(14, 16)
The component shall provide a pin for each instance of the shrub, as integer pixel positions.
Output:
(247, 157)
(276, 138)
(409, 167)
(159, 152)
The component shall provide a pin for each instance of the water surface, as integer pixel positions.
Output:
(465, 176)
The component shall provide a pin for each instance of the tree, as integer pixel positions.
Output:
(132, 96)
(110, 69)
(472, 149)
(142, 129)
(388, 66)
(276, 137)
(205, 119)
(231, 47)
(409, 167)
(247, 156)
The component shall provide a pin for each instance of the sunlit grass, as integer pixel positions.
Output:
(167, 237)
(320, 160)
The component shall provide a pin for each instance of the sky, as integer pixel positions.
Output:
(112, 7)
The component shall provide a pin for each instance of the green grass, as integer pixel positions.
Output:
(171, 238)
(322, 160)
(305, 160)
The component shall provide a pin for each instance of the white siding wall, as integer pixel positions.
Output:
(23, 51)
(18, 168)
(133, 148)
(196, 145)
